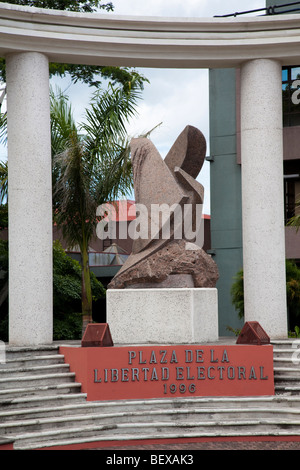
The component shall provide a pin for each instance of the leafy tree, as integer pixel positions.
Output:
(91, 165)
(3, 215)
(295, 220)
(3, 274)
(84, 73)
(3, 126)
(71, 5)
(67, 317)
(94, 168)
(3, 290)
(237, 293)
(3, 181)
(293, 292)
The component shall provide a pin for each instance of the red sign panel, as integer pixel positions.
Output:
(114, 373)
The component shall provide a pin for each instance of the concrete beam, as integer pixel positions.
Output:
(99, 39)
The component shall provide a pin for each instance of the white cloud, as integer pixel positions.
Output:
(188, 8)
(174, 97)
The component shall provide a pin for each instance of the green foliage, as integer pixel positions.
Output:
(3, 290)
(295, 221)
(88, 74)
(235, 331)
(67, 282)
(292, 290)
(91, 75)
(295, 333)
(95, 166)
(3, 257)
(92, 168)
(67, 317)
(70, 5)
(237, 293)
(3, 123)
(3, 215)
(67, 326)
(62, 121)
(3, 184)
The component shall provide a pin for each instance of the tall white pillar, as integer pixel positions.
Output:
(29, 199)
(262, 196)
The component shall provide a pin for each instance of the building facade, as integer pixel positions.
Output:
(225, 170)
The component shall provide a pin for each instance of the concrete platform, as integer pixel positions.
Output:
(163, 316)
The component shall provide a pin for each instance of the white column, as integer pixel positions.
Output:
(29, 199)
(262, 196)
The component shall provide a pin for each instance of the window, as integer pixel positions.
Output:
(291, 96)
(291, 187)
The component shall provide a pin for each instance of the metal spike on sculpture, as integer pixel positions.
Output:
(176, 260)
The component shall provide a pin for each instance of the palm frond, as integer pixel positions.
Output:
(295, 220)
(3, 181)
(62, 120)
(107, 117)
(3, 128)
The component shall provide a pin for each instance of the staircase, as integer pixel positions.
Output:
(41, 406)
(287, 366)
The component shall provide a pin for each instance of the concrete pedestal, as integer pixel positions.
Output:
(162, 316)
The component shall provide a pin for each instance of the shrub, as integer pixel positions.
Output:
(292, 289)
(67, 317)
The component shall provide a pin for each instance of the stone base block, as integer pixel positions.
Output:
(174, 316)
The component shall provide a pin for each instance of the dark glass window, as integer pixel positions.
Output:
(291, 187)
(291, 96)
(289, 199)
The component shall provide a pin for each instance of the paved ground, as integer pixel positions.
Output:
(195, 446)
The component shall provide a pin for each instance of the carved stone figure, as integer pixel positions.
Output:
(167, 252)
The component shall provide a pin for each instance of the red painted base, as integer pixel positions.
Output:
(115, 373)
(157, 442)
(7, 446)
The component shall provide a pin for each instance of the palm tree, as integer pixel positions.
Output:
(93, 168)
(3, 181)
(295, 220)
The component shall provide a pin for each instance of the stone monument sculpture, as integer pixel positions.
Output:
(168, 254)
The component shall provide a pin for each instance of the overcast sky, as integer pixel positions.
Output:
(174, 98)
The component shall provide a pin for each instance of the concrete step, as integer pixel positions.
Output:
(284, 343)
(42, 390)
(45, 408)
(13, 352)
(29, 404)
(287, 389)
(33, 373)
(18, 372)
(285, 362)
(189, 416)
(284, 353)
(156, 430)
(41, 406)
(109, 420)
(287, 379)
(287, 371)
(32, 361)
(286, 358)
(35, 380)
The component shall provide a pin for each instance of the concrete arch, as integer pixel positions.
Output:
(98, 39)
(30, 38)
